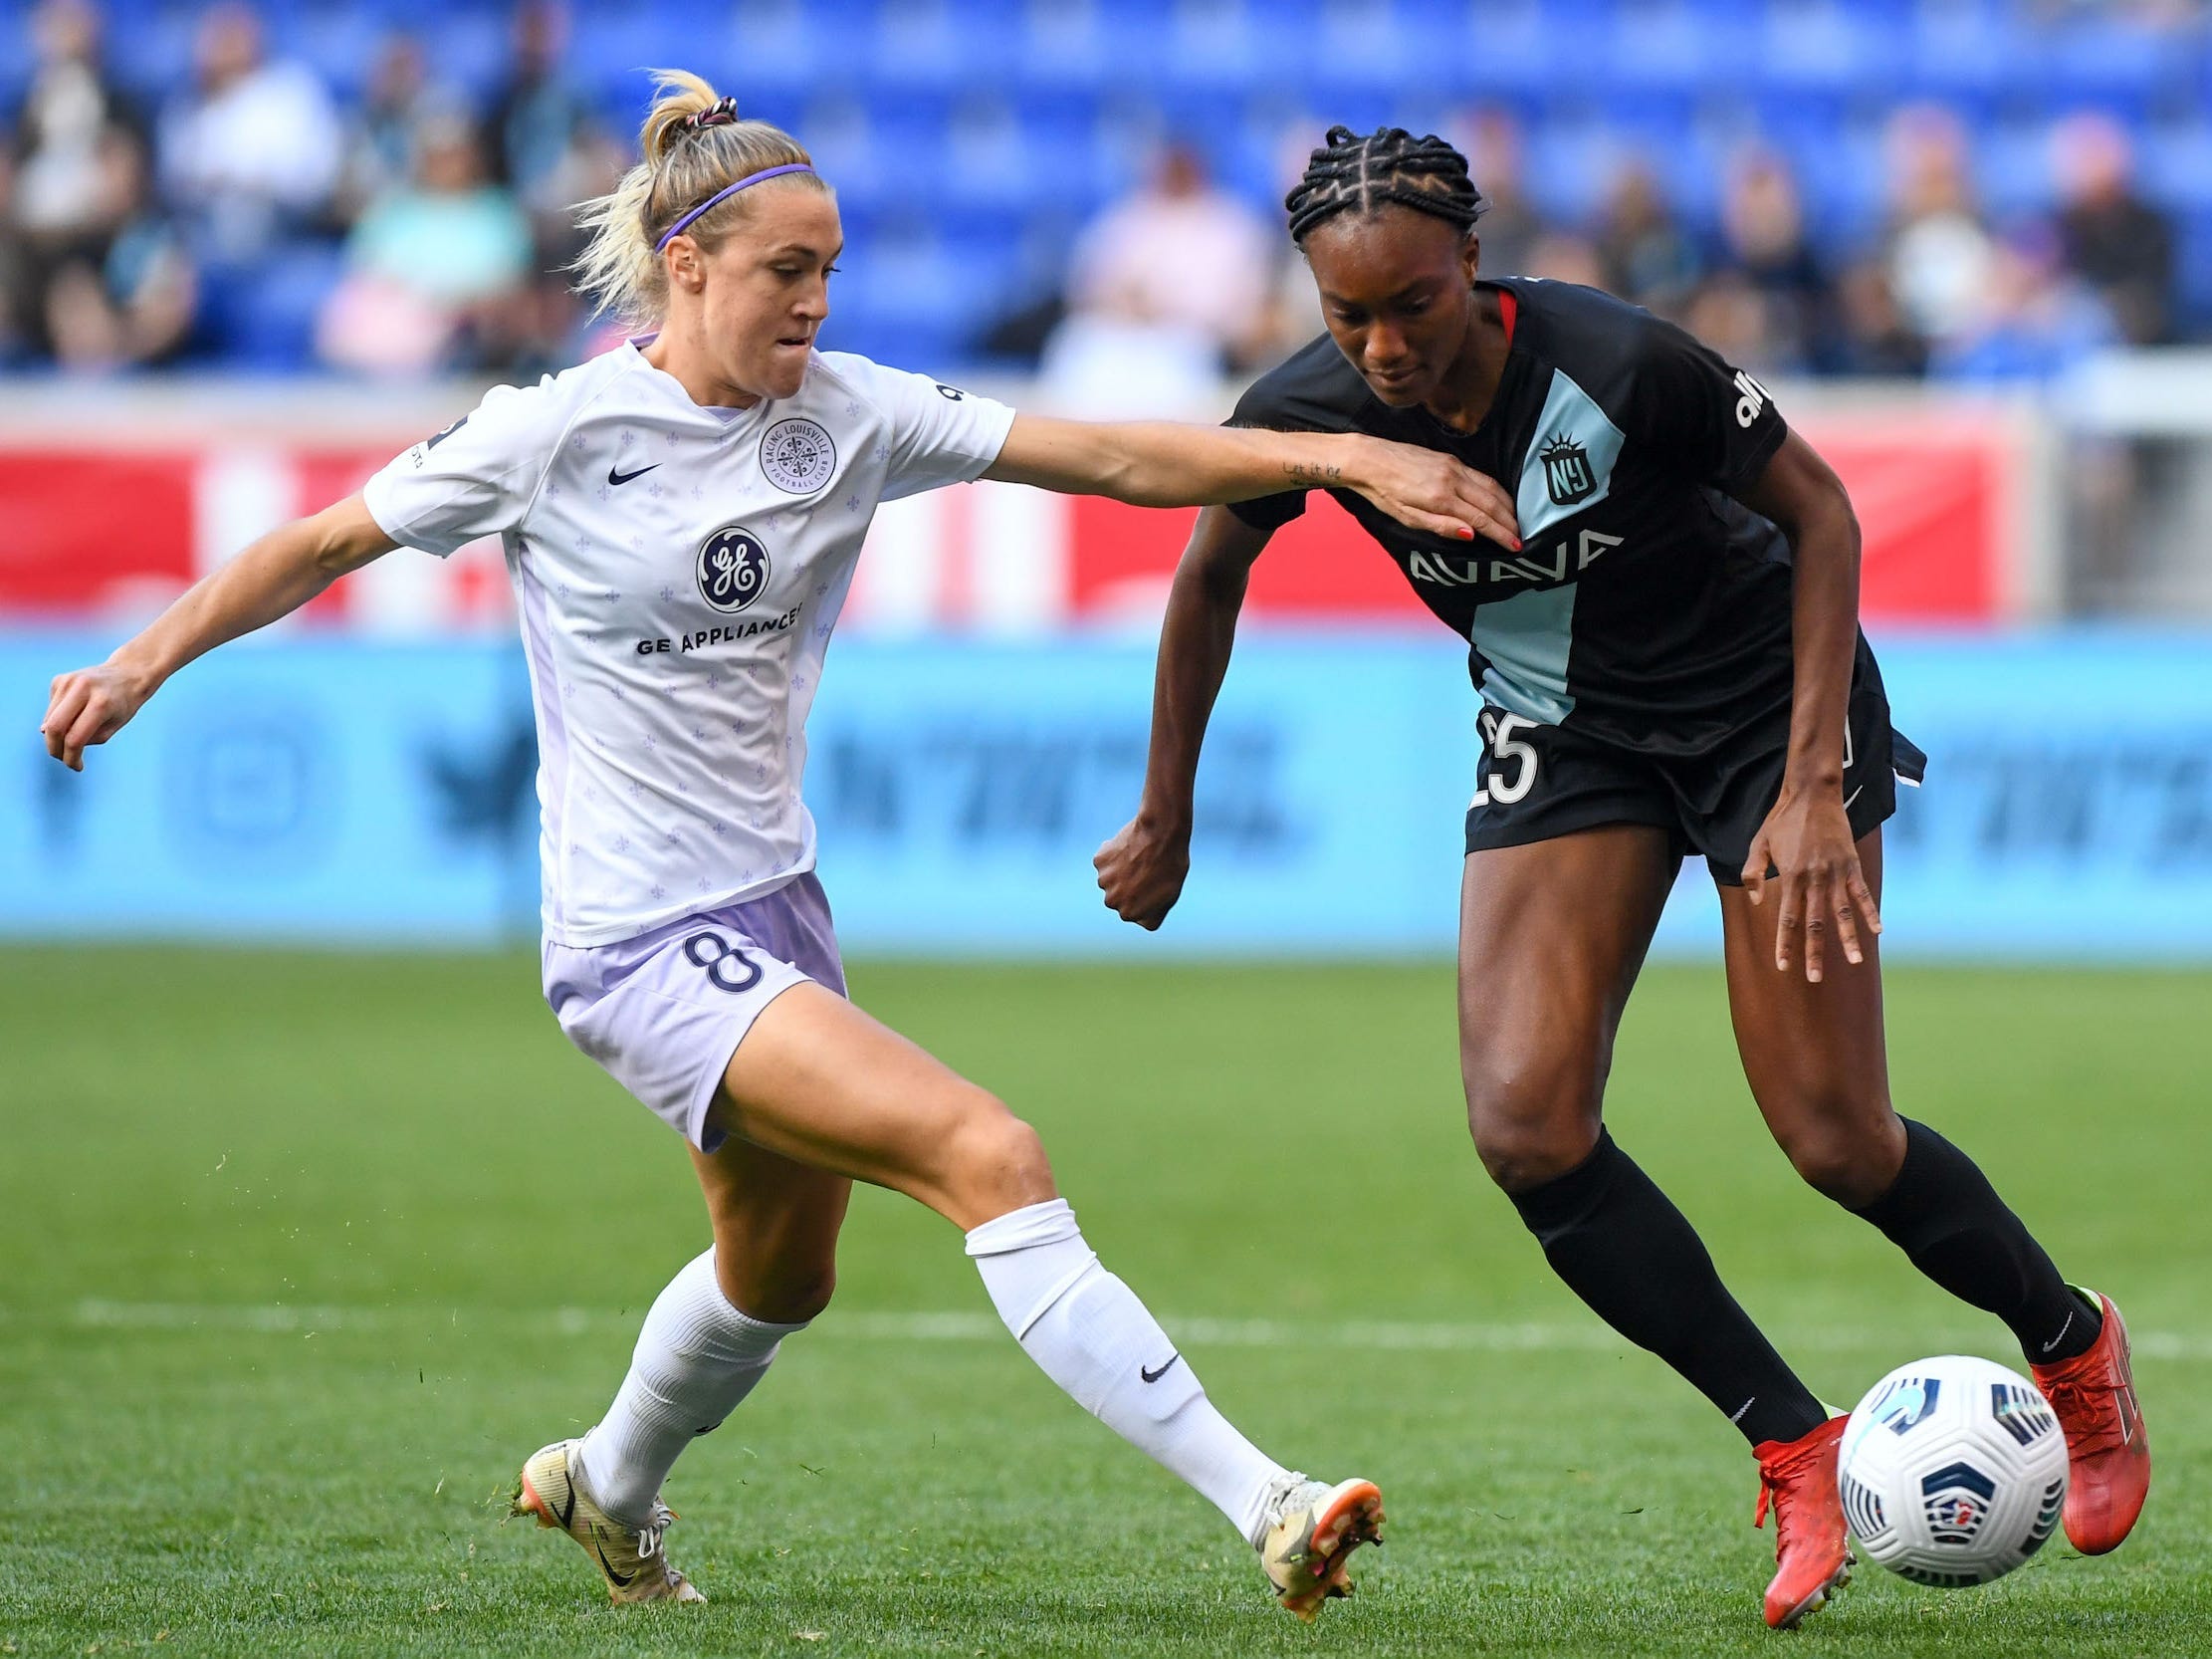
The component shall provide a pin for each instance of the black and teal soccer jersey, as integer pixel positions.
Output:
(1645, 607)
(1634, 656)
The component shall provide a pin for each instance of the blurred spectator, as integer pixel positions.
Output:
(14, 279)
(398, 101)
(1165, 291)
(253, 149)
(2033, 319)
(1490, 138)
(550, 150)
(1179, 254)
(1562, 256)
(435, 268)
(1763, 245)
(129, 300)
(1644, 253)
(1737, 318)
(1939, 254)
(1873, 336)
(540, 120)
(2116, 241)
(67, 112)
(69, 204)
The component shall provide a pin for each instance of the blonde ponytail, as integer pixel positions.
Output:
(684, 163)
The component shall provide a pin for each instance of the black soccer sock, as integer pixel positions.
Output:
(1944, 1215)
(1624, 1248)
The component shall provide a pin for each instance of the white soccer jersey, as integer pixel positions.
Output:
(678, 571)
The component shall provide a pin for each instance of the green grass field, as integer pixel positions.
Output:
(306, 1252)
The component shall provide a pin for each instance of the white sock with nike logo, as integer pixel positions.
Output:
(697, 1359)
(1089, 1333)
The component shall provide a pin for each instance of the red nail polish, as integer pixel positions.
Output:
(1516, 544)
(1466, 535)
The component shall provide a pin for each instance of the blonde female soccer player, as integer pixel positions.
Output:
(681, 518)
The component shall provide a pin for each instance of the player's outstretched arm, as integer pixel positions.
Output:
(1140, 870)
(1167, 464)
(269, 580)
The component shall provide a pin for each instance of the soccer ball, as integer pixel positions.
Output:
(1952, 1471)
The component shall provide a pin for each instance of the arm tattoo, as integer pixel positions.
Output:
(1313, 472)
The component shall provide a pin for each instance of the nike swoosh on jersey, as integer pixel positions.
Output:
(616, 477)
(1155, 1376)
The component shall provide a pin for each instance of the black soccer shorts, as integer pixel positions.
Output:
(1540, 781)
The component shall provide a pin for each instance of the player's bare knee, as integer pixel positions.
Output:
(795, 1301)
(778, 1290)
(1528, 1131)
(1848, 1152)
(994, 1162)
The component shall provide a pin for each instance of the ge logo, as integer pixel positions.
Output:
(728, 967)
(733, 568)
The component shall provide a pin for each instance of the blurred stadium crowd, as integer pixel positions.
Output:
(1969, 189)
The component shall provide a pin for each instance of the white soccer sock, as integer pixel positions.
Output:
(1091, 1335)
(697, 1357)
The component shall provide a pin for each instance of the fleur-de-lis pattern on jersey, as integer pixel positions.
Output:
(664, 716)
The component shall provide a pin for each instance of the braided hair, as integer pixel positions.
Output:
(1359, 173)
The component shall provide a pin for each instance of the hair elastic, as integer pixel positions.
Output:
(723, 194)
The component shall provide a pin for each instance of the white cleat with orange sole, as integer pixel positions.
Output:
(1312, 1530)
(629, 1559)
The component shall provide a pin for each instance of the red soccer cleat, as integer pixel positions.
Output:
(2107, 1451)
(1797, 1478)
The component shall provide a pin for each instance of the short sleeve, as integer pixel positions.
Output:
(1262, 409)
(475, 478)
(1691, 406)
(940, 434)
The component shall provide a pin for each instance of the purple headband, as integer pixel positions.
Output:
(723, 194)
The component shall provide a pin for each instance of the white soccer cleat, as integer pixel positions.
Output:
(628, 1558)
(1312, 1530)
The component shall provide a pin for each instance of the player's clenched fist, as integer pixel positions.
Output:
(88, 706)
(1141, 872)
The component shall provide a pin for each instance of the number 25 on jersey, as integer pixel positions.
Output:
(1505, 750)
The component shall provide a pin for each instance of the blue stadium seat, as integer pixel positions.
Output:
(1816, 46)
(983, 159)
(2195, 283)
(1665, 46)
(341, 43)
(2175, 165)
(2012, 168)
(958, 131)
(788, 46)
(471, 51)
(1965, 52)
(944, 45)
(262, 318)
(2114, 61)
(155, 58)
(1517, 50)
(903, 298)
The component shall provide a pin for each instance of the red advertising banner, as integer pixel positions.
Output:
(94, 533)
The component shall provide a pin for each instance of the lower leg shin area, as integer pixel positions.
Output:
(697, 1357)
(1622, 1246)
(1944, 1215)
(1089, 1333)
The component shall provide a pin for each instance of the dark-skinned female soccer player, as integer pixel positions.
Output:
(1667, 650)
